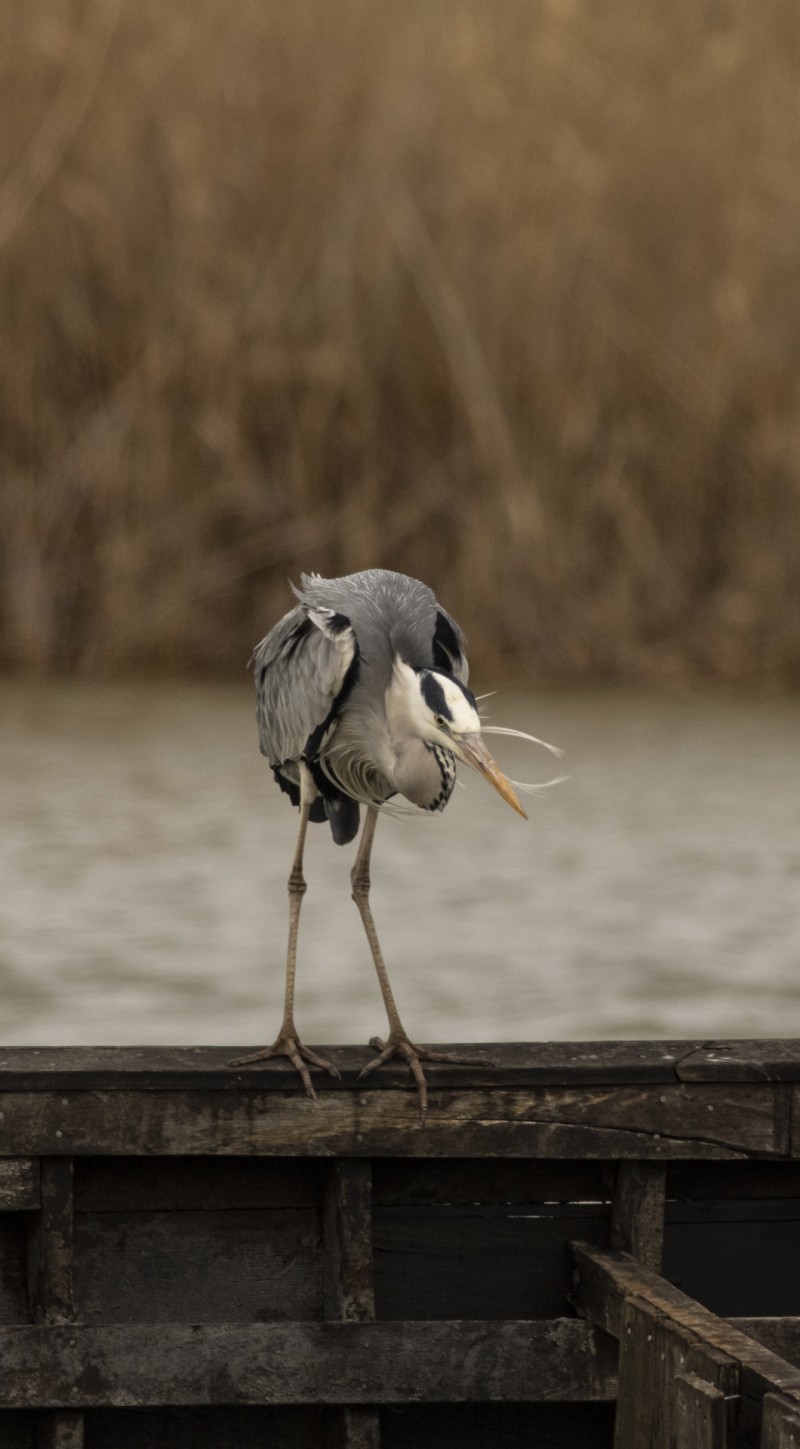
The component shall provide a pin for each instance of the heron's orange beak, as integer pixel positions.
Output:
(473, 751)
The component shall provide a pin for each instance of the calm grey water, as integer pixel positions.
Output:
(144, 851)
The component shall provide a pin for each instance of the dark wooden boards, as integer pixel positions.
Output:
(781, 1426)
(51, 1296)
(706, 1120)
(20, 1187)
(660, 1101)
(349, 1292)
(637, 1217)
(511, 1064)
(297, 1363)
(194, 1254)
(662, 1334)
(198, 1068)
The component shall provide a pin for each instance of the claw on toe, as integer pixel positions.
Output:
(289, 1045)
(398, 1044)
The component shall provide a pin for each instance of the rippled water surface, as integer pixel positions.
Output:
(144, 851)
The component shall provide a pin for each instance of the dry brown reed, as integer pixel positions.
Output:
(504, 295)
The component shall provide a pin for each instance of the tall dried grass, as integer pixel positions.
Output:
(502, 295)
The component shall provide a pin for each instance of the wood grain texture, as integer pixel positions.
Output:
(781, 1423)
(199, 1068)
(637, 1215)
(198, 1267)
(742, 1061)
(50, 1253)
(332, 1363)
(701, 1420)
(19, 1184)
(51, 1283)
(348, 1291)
(708, 1121)
(608, 1281)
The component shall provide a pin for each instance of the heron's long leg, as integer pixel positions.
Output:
(360, 881)
(287, 1043)
(398, 1041)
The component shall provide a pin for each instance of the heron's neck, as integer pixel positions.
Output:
(423, 772)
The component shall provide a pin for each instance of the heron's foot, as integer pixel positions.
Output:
(398, 1044)
(288, 1044)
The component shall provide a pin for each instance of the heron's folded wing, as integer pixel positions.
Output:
(303, 671)
(449, 646)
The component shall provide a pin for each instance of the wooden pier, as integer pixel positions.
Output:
(591, 1245)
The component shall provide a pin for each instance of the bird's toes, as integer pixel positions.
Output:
(262, 1056)
(317, 1061)
(454, 1059)
(293, 1053)
(384, 1053)
(400, 1046)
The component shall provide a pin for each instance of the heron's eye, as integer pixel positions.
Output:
(440, 720)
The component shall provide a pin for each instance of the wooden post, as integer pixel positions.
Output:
(60, 1429)
(348, 1292)
(781, 1423)
(700, 1414)
(637, 1212)
(50, 1284)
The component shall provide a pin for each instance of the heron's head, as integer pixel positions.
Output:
(444, 713)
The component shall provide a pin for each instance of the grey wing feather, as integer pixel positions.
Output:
(301, 668)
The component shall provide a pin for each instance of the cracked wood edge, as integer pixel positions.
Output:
(703, 1120)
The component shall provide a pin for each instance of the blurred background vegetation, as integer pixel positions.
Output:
(503, 295)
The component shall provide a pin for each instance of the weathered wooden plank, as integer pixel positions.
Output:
(700, 1417)
(678, 1121)
(198, 1267)
(606, 1280)
(473, 1262)
(780, 1335)
(741, 1061)
(643, 1384)
(209, 1068)
(637, 1217)
(780, 1428)
(162, 1184)
(50, 1260)
(19, 1184)
(51, 1287)
(656, 1352)
(293, 1363)
(762, 1240)
(349, 1293)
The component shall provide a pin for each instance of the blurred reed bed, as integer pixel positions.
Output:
(505, 295)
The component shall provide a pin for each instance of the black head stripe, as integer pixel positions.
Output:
(433, 694)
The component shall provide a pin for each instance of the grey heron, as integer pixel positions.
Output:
(362, 695)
